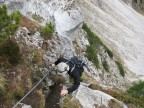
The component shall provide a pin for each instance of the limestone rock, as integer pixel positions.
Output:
(90, 98)
(120, 28)
(66, 15)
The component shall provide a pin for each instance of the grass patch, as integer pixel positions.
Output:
(114, 104)
(87, 78)
(3, 83)
(8, 23)
(71, 103)
(137, 90)
(41, 102)
(105, 65)
(92, 50)
(93, 39)
(39, 74)
(91, 54)
(10, 51)
(121, 69)
(47, 31)
(14, 92)
(121, 96)
(32, 26)
(37, 57)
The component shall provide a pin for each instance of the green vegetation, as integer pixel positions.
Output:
(13, 92)
(121, 69)
(71, 103)
(37, 57)
(8, 23)
(9, 50)
(94, 44)
(105, 65)
(39, 74)
(3, 83)
(92, 50)
(121, 96)
(47, 31)
(41, 99)
(92, 55)
(93, 39)
(137, 90)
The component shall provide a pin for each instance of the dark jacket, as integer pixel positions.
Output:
(75, 74)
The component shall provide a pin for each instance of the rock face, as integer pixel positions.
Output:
(120, 28)
(64, 13)
(117, 24)
(93, 98)
(67, 17)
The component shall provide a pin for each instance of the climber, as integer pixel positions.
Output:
(72, 67)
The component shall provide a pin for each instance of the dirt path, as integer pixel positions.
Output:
(52, 100)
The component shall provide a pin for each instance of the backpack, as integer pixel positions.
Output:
(78, 63)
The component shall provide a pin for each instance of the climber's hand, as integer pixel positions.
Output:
(64, 92)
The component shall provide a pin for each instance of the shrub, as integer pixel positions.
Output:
(96, 87)
(137, 90)
(39, 74)
(93, 39)
(114, 104)
(8, 23)
(105, 65)
(69, 103)
(121, 96)
(91, 54)
(95, 42)
(47, 31)
(14, 91)
(121, 69)
(10, 50)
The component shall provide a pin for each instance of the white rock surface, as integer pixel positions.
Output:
(67, 21)
(89, 98)
(24, 105)
(66, 15)
(63, 13)
(120, 27)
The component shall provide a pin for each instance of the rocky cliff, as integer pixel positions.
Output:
(117, 25)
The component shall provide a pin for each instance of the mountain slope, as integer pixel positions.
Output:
(116, 24)
(120, 27)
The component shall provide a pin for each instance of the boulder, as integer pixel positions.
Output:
(91, 98)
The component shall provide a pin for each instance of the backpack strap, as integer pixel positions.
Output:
(72, 67)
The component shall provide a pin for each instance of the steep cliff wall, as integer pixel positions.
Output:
(119, 27)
